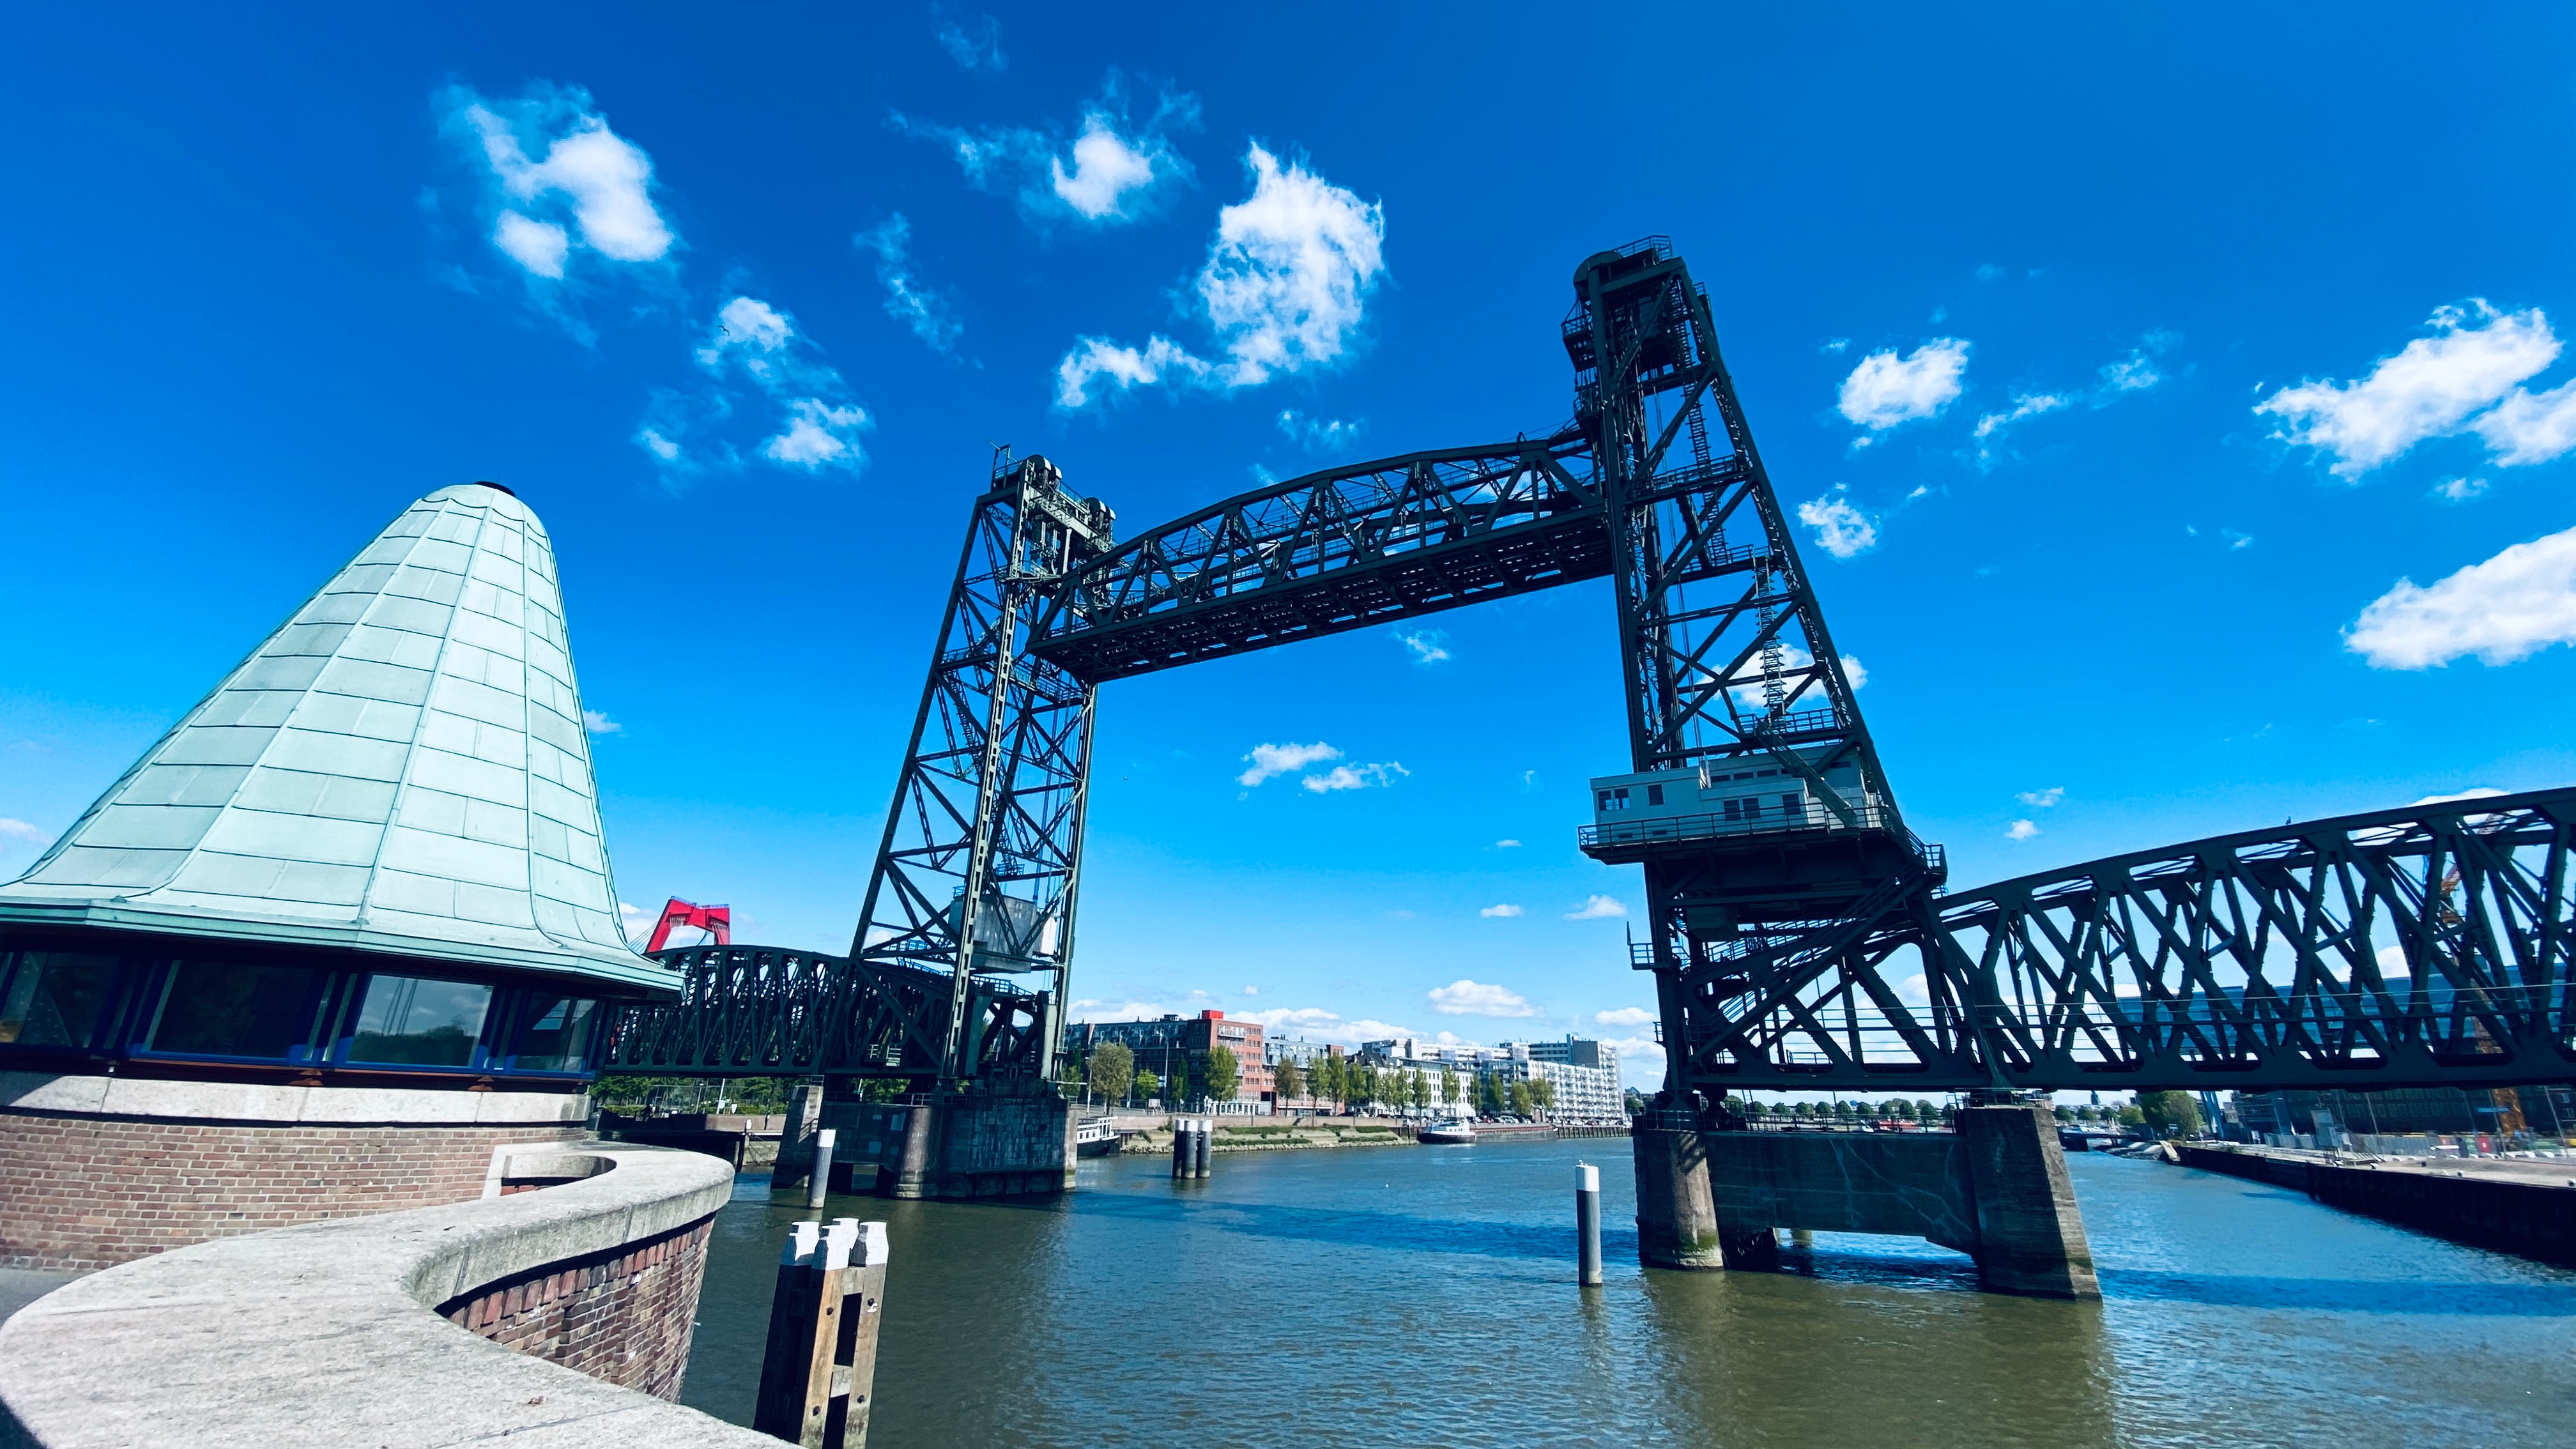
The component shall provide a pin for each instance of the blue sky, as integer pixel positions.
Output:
(2175, 401)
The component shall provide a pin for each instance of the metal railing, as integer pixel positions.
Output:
(1770, 819)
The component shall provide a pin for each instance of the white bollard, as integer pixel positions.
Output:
(1587, 1224)
(822, 1182)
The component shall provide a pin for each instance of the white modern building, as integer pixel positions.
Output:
(1583, 1074)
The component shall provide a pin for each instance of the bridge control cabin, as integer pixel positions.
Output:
(1757, 839)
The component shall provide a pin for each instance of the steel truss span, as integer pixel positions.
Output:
(1802, 941)
(752, 1011)
(2427, 946)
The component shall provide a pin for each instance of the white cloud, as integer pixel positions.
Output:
(1624, 1016)
(1106, 167)
(1270, 761)
(2512, 606)
(2428, 389)
(975, 44)
(11, 829)
(2474, 792)
(1317, 435)
(751, 330)
(907, 301)
(2392, 962)
(1500, 911)
(1428, 646)
(2021, 830)
(638, 924)
(2460, 490)
(539, 246)
(1597, 908)
(1284, 290)
(1252, 991)
(2529, 427)
(818, 435)
(1474, 998)
(1507, 845)
(1292, 267)
(1841, 529)
(2133, 373)
(1835, 345)
(2028, 406)
(1159, 361)
(1354, 777)
(818, 426)
(1885, 390)
(1314, 1021)
(2043, 799)
(600, 724)
(1855, 672)
(588, 182)
(1112, 171)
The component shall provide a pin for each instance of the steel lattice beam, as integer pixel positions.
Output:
(2426, 946)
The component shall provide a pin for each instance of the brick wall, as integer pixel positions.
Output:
(80, 1193)
(624, 1316)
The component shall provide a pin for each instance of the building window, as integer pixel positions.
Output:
(53, 998)
(1654, 794)
(1792, 805)
(1614, 799)
(225, 1009)
(555, 1035)
(410, 1021)
(1753, 807)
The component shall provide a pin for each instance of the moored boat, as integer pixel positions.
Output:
(1094, 1137)
(1455, 1131)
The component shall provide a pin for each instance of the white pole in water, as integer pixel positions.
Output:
(822, 1182)
(1587, 1224)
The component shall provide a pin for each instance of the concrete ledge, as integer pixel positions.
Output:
(323, 1335)
(264, 1102)
(2529, 1218)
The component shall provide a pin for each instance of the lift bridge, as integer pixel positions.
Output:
(1800, 936)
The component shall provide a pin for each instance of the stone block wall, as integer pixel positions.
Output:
(82, 1192)
(624, 1316)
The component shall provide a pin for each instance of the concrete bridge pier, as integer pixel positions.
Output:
(986, 1145)
(1995, 1189)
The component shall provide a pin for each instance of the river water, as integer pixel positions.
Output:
(1425, 1296)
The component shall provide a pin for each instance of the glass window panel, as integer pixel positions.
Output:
(556, 1037)
(409, 1021)
(223, 1009)
(53, 998)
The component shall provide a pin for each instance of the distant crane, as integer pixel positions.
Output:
(716, 921)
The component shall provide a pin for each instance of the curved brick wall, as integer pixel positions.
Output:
(623, 1315)
(97, 1171)
(330, 1334)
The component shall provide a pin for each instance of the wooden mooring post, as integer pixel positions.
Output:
(818, 1375)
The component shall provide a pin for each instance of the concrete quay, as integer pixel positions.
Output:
(402, 1330)
(2522, 1206)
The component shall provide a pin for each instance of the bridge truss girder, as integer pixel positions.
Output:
(2426, 946)
(751, 1011)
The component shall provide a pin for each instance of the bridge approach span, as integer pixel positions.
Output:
(2417, 947)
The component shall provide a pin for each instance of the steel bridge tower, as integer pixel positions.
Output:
(1728, 666)
(982, 857)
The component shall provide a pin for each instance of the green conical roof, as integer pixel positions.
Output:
(401, 768)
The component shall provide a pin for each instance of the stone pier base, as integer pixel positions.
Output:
(976, 1145)
(1996, 1189)
(986, 1146)
(1676, 1221)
